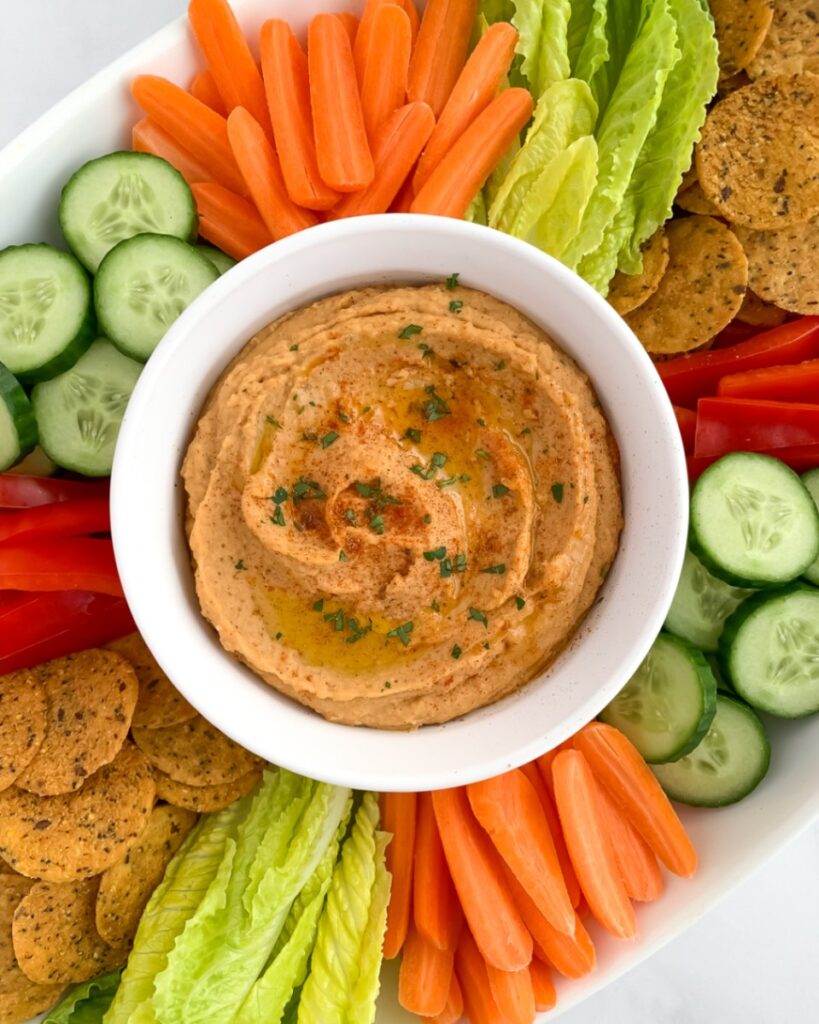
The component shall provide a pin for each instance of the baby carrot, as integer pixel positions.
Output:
(396, 146)
(542, 985)
(411, 12)
(470, 966)
(228, 221)
(203, 87)
(384, 82)
(621, 770)
(261, 170)
(476, 870)
(398, 816)
(513, 994)
(230, 61)
(284, 64)
(361, 46)
(342, 150)
(147, 137)
(194, 127)
(436, 911)
(403, 201)
(578, 805)
(477, 84)
(532, 773)
(510, 811)
(638, 866)
(424, 976)
(350, 23)
(450, 188)
(440, 51)
(454, 1009)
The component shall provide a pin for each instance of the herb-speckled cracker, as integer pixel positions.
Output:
(203, 798)
(55, 937)
(741, 26)
(77, 835)
(195, 753)
(758, 157)
(700, 292)
(91, 697)
(757, 312)
(792, 44)
(694, 200)
(126, 887)
(20, 998)
(159, 703)
(783, 266)
(628, 291)
(22, 724)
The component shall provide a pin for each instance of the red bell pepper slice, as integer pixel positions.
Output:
(800, 459)
(62, 519)
(19, 491)
(687, 422)
(689, 377)
(799, 383)
(36, 627)
(746, 425)
(66, 563)
(734, 333)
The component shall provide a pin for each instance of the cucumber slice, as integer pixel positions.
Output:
(753, 522)
(79, 413)
(143, 285)
(770, 650)
(729, 764)
(46, 316)
(122, 195)
(701, 605)
(811, 481)
(18, 428)
(666, 707)
(219, 259)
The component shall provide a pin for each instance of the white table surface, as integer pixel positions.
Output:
(755, 958)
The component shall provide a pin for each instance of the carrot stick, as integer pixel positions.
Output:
(229, 58)
(342, 150)
(572, 955)
(350, 23)
(384, 83)
(453, 1011)
(532, 773)
(424, 977)
(411, 12)
(398, 816)
(193, 126)
(476, 870)
(362, 46)
(477, 84)
(543, 986)
(436, 911)
(148, 137)
(396, 146)
(228, 221)
(403, 201)
(450, 188)
(262, 172)
(509, 809)
(203, 87)
(513, 994)
(638, 866)
(440, 51)
(578, 804)
(470, 967)
(621, 770)
(284, 64)
(544, 764)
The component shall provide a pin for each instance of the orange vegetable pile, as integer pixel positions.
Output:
(491, 880)
(385, 113)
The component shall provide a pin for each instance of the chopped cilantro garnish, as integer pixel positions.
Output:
(413, 434)
(343, 416)
(456, 306)
(499, 365)
(520, 602)
(585, 499)
(526, 430)
(446, 568)
(436, 408)
(273, 422)
(447, 482)
(278, 516)
(303, 490)
(342, 556)
(279, 636)
(377, 524)
(402, 633)
(357, 632)
(350, 516)
(428, 352)
(480, 421)
(279, 495)
(452, 282)
(388, 685)
(435, 555)
(496, 570)
(478, 616)
(435, 606)
(456, 652)
(460, 563)
(309, 436)
(409, 331)
(438, 461)
(499, 490)
(337, 620)
(482, 453)
(240, 565)
(329, 439)
(557, 492)
(294, 348)
(319, 605)
(427, 518)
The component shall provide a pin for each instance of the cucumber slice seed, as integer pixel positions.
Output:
(18, 428)
(702, 603)
(219, 259)
(121, 195)
(667, 706)
(753, 522)
(731, 761)
(811, 481)
(79, 413)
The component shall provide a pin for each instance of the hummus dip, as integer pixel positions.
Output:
(402, 502)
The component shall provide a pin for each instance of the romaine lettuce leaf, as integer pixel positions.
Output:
(593, 50)
(622, 25)
(476, 213)
(496, 10)
(365, 992)
(87, 1002)
(543, 26)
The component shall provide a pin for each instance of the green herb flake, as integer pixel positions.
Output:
(402, 633)
(336, 619)
(309, 437)
(377, 524)
(427, 518)
(446, 568)
(329, 439)
(436, 408)
(240, 565)
(495, 570)
(428, 353)
(482, 453)
(343, 416)
(435, 607)
(500, 364)
(273, 422)
(350, 516)
(452, 282)
(278, 516)
(319, 605)
(456, 306)
(279, 495)
(557, 492)
(409, 331)
(388, 685)
(478, 616)
(342, 556)
(585, 499)
(456, 652)
(413, 434)
(447, 482)
(520, 602)
(499, 490)
(294, 348)
(460, 563)
(435, 555)
(304, 490)
(279, 636)
(480, 421)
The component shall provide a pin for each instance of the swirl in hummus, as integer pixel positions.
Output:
(402, 502)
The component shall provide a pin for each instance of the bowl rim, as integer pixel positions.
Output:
(128, 515)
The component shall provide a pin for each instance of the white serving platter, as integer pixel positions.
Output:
(732, 842)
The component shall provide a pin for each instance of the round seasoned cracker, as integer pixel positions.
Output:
(628, 291)
(758, 156)
(757, 312)
(783, 267)
(203, 798)
(741, 26)
(24, 1003)
(700, 292)
(791, 46)
(689, 177)
(20, 998)
(77, 835)
(125, 888)
(694, 200)
(159, 703)
(55, 938)
(91, 698)
(7, 869)
(195, 753)
(22, 724)
(728, 85)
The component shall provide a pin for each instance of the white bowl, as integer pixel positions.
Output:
(147, 502)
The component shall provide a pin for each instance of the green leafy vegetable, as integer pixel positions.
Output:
(593, 49)
(87, 1002)
(543, 26)
(476, 213)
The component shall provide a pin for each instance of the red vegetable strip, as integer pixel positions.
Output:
(542, 985)
(741, 424)
(534, 775)
(229, 222)
(687, 422)
(69, 563)
(204, 88)
(440, 51)
(425, 975)
(479, 1003)
(398, 816)
(386, 64)
(799, 383)
(19, 491)
(799, 459)
(436, 911)
(454, 1009)
(66, 519)
(148, 137)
